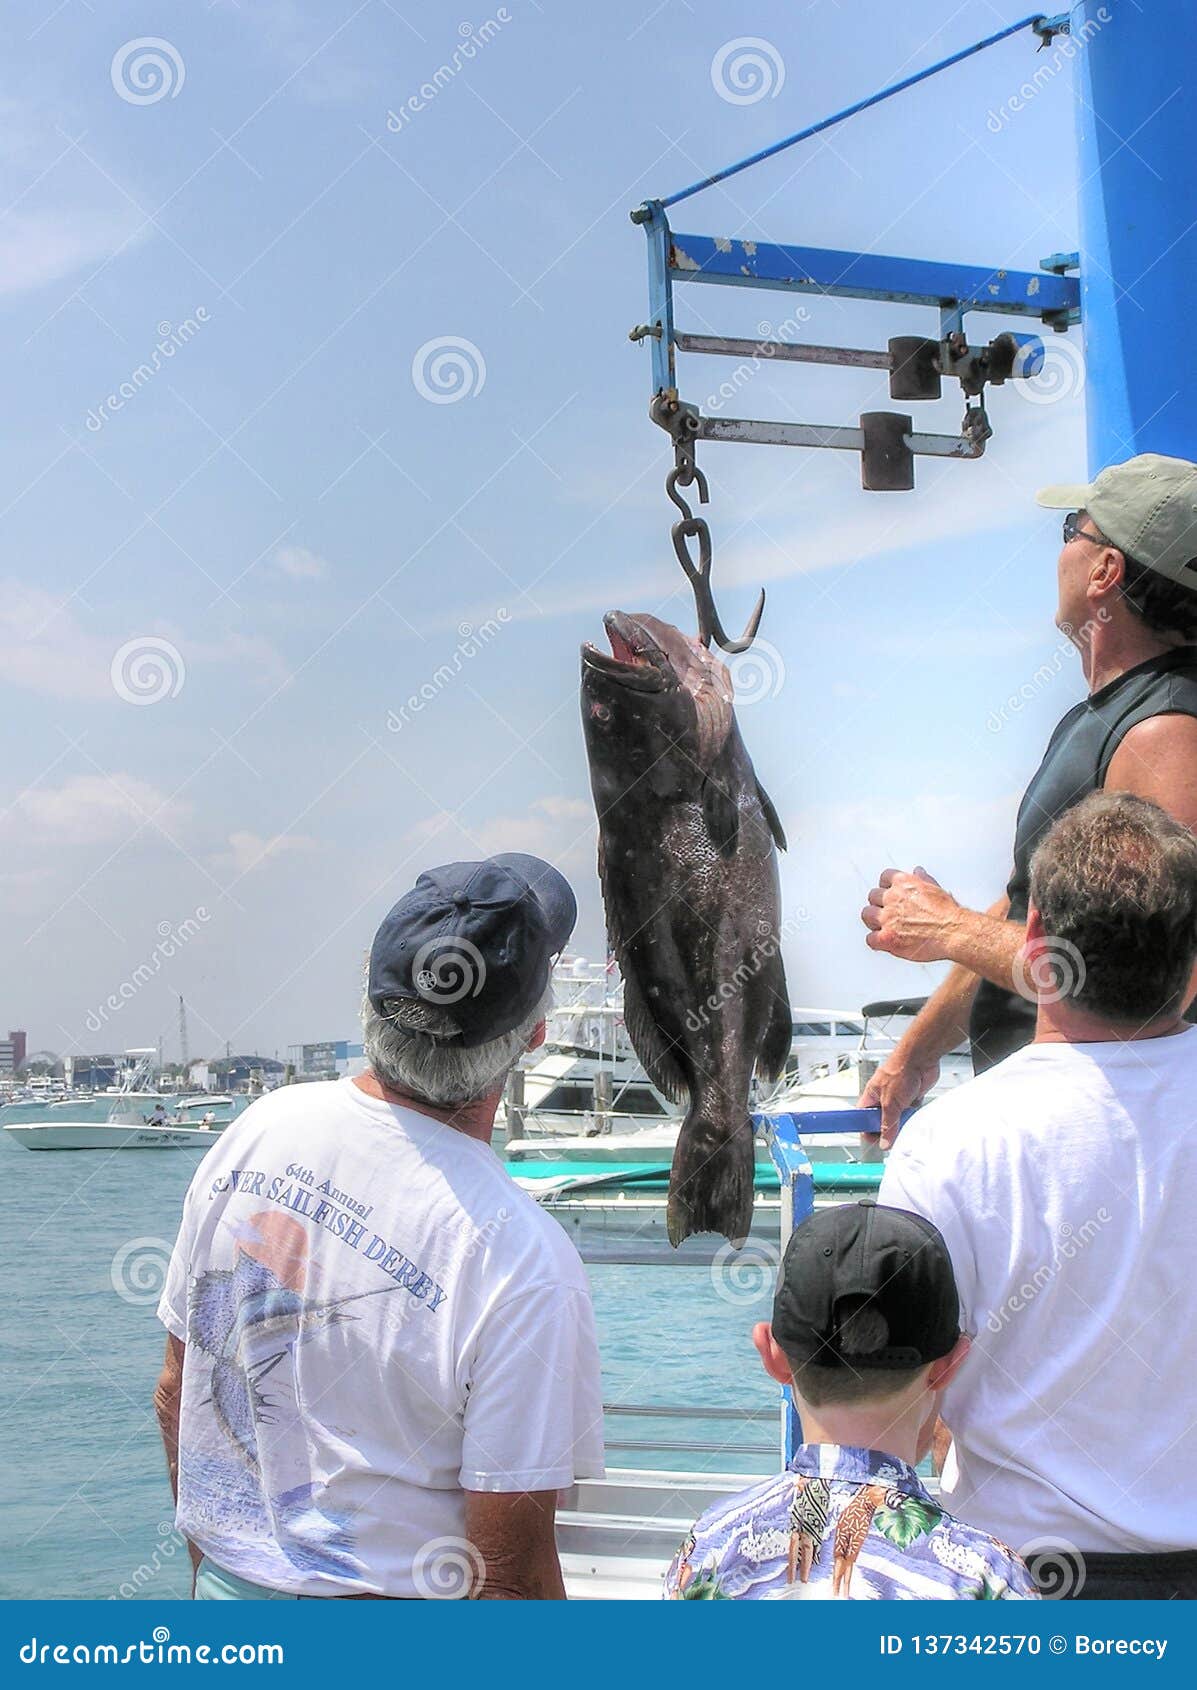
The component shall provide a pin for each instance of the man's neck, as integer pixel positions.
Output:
(475, 1120)
(1063, 1024)
(1120, 642)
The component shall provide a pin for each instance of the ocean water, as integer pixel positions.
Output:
(84, 1238)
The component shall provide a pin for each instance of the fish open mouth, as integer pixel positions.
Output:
(635, 658)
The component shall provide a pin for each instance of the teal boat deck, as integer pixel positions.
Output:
(850, 1178)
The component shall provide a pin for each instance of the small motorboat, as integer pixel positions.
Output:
(127, 1133)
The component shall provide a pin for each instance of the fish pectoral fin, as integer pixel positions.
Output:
(771, 816)
(721, 814)
(659, 1061)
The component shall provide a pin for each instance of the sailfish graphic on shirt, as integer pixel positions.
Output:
(228, 1308)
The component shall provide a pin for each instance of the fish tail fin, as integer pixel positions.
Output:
(711, 1181)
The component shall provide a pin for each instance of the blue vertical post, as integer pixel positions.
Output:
(660, 295)
(1137, 135)
(797, 1183)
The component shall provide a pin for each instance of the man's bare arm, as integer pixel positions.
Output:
(912, 1068)
(513, 1534)
(168, 1396)
(168, 1393)
(913, 917)
(1157, 759)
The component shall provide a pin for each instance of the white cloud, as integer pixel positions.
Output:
(41, 247)
(248, 851)
(300, 563)
(91, 808)
(46, 649)
(558, 828)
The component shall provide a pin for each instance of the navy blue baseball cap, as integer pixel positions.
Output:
(475, 940)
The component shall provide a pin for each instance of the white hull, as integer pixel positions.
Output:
(109, 1135)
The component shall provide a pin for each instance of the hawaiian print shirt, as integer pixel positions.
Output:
(841, 1522)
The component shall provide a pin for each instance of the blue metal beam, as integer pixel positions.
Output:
(1045, 27)
(868, 275)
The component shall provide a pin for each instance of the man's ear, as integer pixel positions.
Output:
(773, 1358)
(1106, 573)
(537, 1039)
(1034, 946)
(1035, 932)
(943, 1371)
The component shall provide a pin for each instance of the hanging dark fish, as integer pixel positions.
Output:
(689, 875)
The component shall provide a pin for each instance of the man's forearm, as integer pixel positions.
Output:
(988, 946)
(942, 1022)
(168, 1395)
(167, 1410)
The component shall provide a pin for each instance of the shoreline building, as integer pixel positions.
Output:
(13, 1051)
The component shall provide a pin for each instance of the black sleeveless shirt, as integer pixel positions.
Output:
(1076, 761)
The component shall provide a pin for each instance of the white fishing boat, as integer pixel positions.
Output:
(131, 1133)
(127, 1116)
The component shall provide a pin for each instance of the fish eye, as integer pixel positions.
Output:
(601, 713)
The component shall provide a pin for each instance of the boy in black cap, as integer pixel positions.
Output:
(865, 1330)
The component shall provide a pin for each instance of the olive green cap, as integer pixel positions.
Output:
(1147, 507)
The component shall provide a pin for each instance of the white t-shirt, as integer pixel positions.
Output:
(376, 1319)
(1063, 1181)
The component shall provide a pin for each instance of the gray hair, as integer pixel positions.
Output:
(411, 1051)
(1115, 884)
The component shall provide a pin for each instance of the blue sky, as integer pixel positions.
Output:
(282, 533)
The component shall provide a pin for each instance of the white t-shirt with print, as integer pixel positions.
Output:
(376, 1319)
(1063, 1181)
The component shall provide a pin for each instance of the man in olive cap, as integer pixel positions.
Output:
(1128, 602)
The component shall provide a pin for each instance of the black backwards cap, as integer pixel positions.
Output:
(863, 1253)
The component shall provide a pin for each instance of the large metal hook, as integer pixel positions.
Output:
(691, 527)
